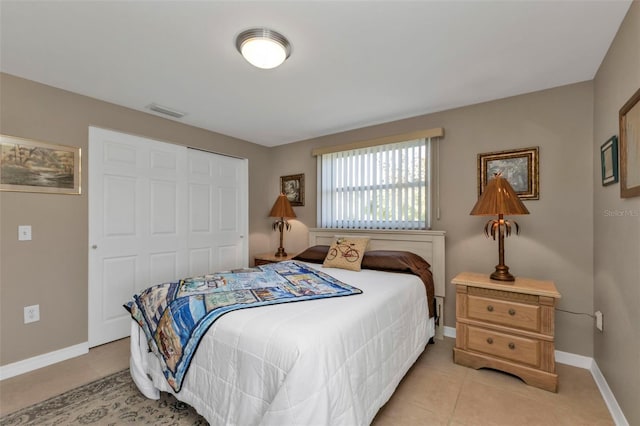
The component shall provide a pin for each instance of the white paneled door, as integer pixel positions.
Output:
(218, 208)
(143, 229)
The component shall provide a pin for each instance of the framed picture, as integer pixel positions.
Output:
(519, 167)
(293, 187)
(609, 161)
(630, 147)
(32, 166)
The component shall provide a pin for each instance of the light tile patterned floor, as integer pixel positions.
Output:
(434, 392)
(21, 391)
(463, 396)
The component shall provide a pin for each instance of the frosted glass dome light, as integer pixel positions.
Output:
(263, 48)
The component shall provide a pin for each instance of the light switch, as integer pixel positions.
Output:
(24, 233)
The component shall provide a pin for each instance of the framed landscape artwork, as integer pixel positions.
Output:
(519, 167)
(630, 147)
(32, 166)
(293, 187)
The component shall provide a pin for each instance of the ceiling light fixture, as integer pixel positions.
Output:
(263, 48)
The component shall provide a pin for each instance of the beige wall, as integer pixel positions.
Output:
(51, 270)
(556, 238)
(617, 228)
(553, 244)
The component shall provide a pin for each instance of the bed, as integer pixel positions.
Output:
(329, 361)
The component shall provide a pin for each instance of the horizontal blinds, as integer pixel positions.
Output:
(379, 187)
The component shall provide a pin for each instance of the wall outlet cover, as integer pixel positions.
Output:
(31, 314)
(24, 233)
(599, 324)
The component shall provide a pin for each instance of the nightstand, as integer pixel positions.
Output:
(507, 326)
(265, 258)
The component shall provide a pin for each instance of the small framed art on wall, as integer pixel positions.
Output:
(293, 187)
(518, 166)
(609, 161)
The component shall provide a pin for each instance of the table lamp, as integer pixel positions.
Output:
(499, 199)
(282, 209)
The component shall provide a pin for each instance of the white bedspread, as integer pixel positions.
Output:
(323, 362)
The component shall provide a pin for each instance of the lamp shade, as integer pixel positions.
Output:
(282, 207)
(498, 198)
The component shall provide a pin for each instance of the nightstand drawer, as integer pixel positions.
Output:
(519, 349)
(504, 312)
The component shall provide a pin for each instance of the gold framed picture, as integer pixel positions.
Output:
(518, 166)
(293, 187)
(630, 147)
(32, 166)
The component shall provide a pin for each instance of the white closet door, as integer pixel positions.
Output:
(137, 224)
(218, 212)
(158, 212)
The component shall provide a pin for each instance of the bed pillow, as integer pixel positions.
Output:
(403, 262)
(346, 253)
(393, 261)
(315, 254)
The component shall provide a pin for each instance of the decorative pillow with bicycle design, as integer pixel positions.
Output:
(346, 253)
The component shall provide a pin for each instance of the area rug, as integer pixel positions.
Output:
(112, 400)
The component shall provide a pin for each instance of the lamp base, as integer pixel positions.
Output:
(502, 274)
(281, 252)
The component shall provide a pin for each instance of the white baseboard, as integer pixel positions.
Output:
(574, 360)
(587, 363)
(449, 332)
(30, 364)
(609, 398)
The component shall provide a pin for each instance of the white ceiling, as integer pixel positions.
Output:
(353, 63)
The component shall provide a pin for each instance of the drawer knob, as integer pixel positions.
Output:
(512, 312)
(489, 308)
(512, 345)
(490, 340)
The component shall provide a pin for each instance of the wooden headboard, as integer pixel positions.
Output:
(427, 244)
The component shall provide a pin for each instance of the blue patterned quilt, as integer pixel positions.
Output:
(175, 316)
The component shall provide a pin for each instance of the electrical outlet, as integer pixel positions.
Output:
(31, 313)
(599, 320)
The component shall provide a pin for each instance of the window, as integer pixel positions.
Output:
(378, 187)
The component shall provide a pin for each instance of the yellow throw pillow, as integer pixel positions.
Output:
(346, 253)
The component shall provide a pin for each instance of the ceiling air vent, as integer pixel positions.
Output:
(166, 111)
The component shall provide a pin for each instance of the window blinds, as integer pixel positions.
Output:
(377, 187)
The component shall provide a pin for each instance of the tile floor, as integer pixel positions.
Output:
(27, 389)
(459, 396)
